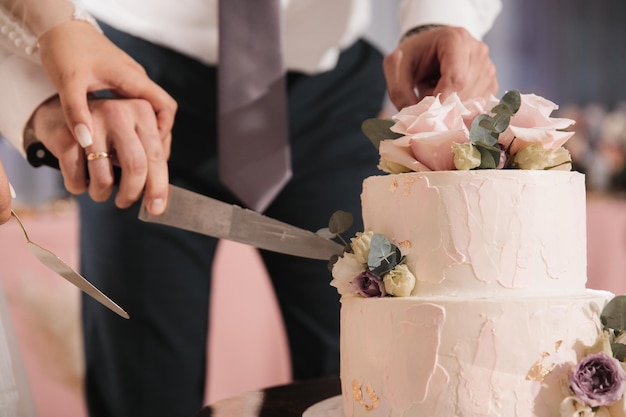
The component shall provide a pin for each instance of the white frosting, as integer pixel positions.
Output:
(484, 232)
(445, 357)
(500, 311)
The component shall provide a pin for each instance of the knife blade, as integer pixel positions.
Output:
(201, 214)
(205, 215)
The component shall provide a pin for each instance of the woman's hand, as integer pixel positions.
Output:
(80, 60)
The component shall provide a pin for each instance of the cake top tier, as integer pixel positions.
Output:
(484, 232)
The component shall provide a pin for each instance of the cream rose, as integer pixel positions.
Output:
(361, 246)
(344, 271)
(466, 156)
(399, 281)
(573, 407)
(535, 156)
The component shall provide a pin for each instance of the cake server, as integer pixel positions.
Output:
(198, 213)
(56, 264)
(201, 214)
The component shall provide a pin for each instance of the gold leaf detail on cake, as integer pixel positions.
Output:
(373, 398)
(539, 370)
(394, 186)
(557, 345)
(357, 394)
(408, 183)
(405, 244)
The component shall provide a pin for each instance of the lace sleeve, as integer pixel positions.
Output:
(23, 21)
(16, 37)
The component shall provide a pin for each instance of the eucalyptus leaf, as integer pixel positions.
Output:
(383, 255)
(502, 109)
(478, 133)
(614, 314)
(486, 123)
(619, 351)
(513, 100)
(501, 122)
(340, 222)
(379, 129)
(489, 155)
(331, 263)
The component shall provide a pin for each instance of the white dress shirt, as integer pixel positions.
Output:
(315, 33)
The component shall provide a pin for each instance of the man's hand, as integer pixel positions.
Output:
(439, 60)
(126, 129)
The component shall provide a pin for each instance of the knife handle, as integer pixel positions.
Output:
(38, 155)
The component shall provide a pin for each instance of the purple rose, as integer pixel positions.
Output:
(598, 380)
(368, 284)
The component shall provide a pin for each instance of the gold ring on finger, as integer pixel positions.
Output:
(97, 155)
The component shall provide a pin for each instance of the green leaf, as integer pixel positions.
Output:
(379, 129)
(383, 255)
(333, 260)
(511, 99)
(480, 130)
(614, 314)
(501, 122)
(340, 222)
(489, 155)
(619, 351)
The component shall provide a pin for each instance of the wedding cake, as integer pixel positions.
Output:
(465, 294)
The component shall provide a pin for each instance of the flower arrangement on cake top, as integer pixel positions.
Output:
(595, 385)
(516, 132)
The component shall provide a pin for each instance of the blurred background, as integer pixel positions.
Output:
(569, 51)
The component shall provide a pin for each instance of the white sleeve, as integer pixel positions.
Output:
(23, 83)
(23, 87)
(477, 16)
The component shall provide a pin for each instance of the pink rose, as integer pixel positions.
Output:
(429, 128)
(532, 123)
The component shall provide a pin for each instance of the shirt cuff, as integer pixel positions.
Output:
(477, 16)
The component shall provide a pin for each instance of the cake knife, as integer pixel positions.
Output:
(198, 213)
(201, 214)
(57, 265)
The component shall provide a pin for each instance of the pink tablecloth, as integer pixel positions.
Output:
(606, 243)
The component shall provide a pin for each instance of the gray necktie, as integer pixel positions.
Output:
(253, 147)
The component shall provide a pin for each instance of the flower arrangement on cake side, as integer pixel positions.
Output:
(594, 387)
(517, 132)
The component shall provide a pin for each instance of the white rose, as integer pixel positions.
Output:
(344, 271)
(361, 246)
(535, 156)
(399, 282)
(466, 156)
(573, 407)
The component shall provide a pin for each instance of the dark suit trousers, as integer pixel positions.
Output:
(154, 364)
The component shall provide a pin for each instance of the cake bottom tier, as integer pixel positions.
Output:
(445, 357)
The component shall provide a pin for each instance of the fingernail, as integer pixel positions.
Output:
(157, 206)
(12, 190)
(83, 135)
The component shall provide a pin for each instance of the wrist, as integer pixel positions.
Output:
(419, 29)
